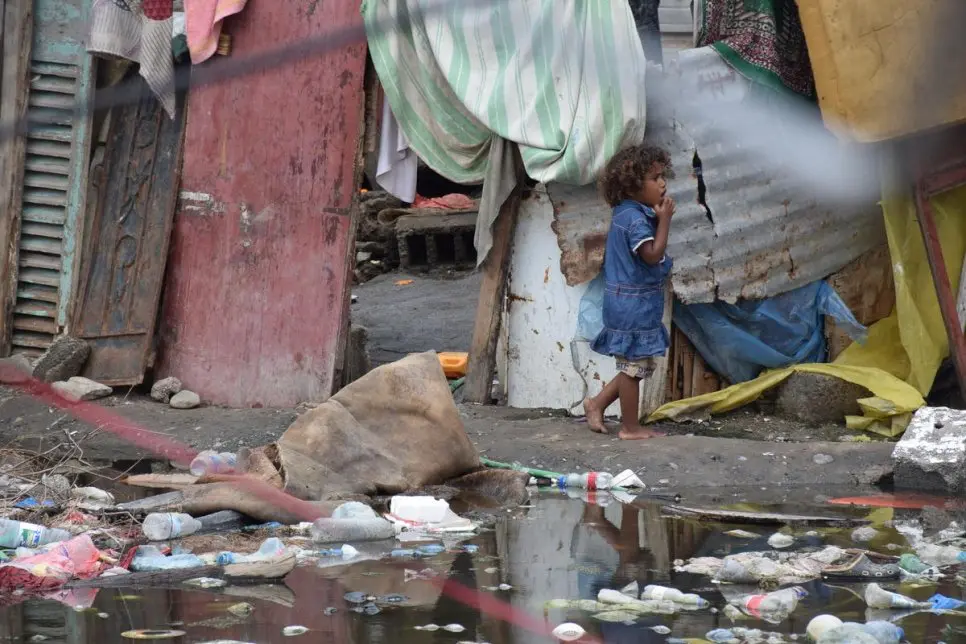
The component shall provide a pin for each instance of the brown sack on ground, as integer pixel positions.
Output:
(395, 429)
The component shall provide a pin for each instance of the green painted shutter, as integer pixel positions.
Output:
(55, 172)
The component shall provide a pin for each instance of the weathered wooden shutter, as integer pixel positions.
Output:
(55, 172)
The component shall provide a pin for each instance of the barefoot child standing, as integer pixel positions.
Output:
(634, 183)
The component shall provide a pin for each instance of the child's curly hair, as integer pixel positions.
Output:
(625, 173)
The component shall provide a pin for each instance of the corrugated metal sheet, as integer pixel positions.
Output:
(769, 234)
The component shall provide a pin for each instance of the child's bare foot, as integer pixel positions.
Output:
(637, 432)
(595, 416)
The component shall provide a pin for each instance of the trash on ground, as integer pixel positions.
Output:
(291, 631)
(878, 597)
(152, 634)
(766, 568)
(780, 540)
(762, 518)
(568, 632)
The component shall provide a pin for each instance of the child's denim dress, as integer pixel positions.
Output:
(634, 292)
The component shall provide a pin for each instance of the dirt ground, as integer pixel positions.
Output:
(435, 312)
(694, 455)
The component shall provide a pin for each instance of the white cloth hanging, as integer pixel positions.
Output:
(396, 170)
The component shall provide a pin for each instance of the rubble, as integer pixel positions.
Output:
(79, 389)
(63, 360)
(931, 455)
(185, 399)
(162, 390)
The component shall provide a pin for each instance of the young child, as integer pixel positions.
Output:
(634, 183)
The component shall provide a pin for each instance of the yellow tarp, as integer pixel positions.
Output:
(866, 56)
(899, 361)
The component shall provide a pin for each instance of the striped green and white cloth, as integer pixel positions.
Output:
(562, 79)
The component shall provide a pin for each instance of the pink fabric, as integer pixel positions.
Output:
(203, 25)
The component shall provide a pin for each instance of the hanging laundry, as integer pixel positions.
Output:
(762, 40)
(473, 84)
(396, 171)
(203, 20)
(140, 32)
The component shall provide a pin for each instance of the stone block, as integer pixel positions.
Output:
(77, 389)
(932, 453)
(816, 399)
(63, 360)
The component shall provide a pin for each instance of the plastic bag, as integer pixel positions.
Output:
(590, 318)
(740, 340)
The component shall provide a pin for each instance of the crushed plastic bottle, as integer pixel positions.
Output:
(211, 462)
(150, 559)
(779, 540)
(673, 594)
(15, 534)
(821, 624)
(773, 607)
(878, 597)
(161, 526)
(587, 481)
(419, 509)
(912, 564)
(935, 555)
(336, 530)
(270, 548)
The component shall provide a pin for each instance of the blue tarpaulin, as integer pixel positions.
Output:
(739, 340)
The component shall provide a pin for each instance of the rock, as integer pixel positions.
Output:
(822, 459)
(77, 389)
(164, 389)
(15, 370)
(63, 360)
(185, 400)
(816, 399)
(932, 453)
(363, 257)
(864, 534)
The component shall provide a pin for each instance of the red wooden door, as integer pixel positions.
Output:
(256, 291)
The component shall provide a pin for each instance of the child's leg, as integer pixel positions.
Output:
(630, 395)
(594, 407)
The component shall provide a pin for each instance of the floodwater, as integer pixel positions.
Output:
(557, 548)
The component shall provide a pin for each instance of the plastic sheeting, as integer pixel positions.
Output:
(739, 340)
(911, 343)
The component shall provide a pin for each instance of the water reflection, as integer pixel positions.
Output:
(559, 548)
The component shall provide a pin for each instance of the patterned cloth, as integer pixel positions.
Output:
(140, 33)
(762, 39)
(640, 369)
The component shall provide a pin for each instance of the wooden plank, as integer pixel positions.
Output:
(489, 311)
(654, 389)
(687, 362)
(14, 85)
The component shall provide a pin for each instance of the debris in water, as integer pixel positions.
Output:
(505, 587)
(568, 632)
(206, 582)
(392, 599)
(491, 571)
(371, 609)
(243, 609)
(778, 541)
(151, 634)
(430, 550)
(632, 590)
(454, 628)
(330, 611)
(291, 631)
(357, 597)
(103, 615)
(427, 627)
(742, 534)
(616, 616)
(471, 548)
(661, 629)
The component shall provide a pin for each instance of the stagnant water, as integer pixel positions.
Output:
(555, 549)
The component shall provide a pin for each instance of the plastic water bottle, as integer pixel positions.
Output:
(211, 462)
(270, 548)
(150, 559)
(335, 530)
(941, 555)
(781, 601)
(674, 595)
(884, 632)
(169, 525)
(14, 534)
(588, 481)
